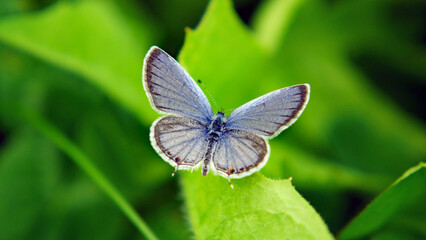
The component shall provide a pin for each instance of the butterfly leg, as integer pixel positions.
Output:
(229, 180)
(173, 173)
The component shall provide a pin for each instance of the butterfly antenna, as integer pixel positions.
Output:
(208, 93)
(228, 110)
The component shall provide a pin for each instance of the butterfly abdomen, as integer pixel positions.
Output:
(207, 157)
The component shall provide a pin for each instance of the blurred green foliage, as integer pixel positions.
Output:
(406, 190)
(77, 65)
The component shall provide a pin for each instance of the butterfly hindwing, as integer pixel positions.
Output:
(180, 141)
(240, 153)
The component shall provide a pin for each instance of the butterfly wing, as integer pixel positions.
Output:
(170, 89)
(180, 141)
(240, 153)
(270, 114)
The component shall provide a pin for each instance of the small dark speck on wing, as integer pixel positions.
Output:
(162, 107)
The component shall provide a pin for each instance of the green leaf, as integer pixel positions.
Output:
(312, 172)
(92, 39)
(395, 235)
(273, 19)
(408, 187)
(226, 56)
(257, 208)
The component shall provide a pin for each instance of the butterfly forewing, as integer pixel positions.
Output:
(170, 89)
(270, 114)
(181, 141)
(240, 153)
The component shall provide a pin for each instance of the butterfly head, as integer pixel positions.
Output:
(219, 114)
(218, 122)
(219, 118)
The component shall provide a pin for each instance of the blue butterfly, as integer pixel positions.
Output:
(190, 135)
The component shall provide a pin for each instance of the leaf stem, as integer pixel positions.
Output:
(87, 166)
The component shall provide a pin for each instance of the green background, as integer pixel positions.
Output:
(75, 157)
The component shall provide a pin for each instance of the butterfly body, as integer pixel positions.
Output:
(215, 131)
(217, 127)
(190, 135)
